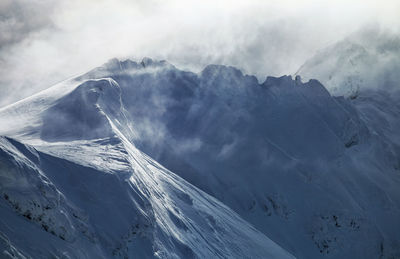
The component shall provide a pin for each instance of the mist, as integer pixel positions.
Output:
(44, 41)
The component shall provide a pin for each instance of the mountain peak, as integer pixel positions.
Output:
(213, 70)
(146, 61)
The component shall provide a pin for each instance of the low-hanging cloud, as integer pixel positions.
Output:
(45, 41)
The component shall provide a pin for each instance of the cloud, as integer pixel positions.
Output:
(18, 19)
(47, 41)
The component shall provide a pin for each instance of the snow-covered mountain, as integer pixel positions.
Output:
(85, 191)
(367, 59)
(280, 160)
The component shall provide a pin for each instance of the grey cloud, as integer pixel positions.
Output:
(20, 18)
(20, 23)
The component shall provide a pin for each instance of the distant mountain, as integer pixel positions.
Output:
(367, 59)
(315, 173)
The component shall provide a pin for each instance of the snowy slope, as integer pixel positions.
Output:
(85, 191)
(317, 174)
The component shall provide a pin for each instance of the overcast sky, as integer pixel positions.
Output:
(46, 41)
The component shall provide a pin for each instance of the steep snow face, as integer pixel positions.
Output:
(73, 110)
(85, 191)
(306, 168)
(356, 63)
(83, 109)
(317, 174)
